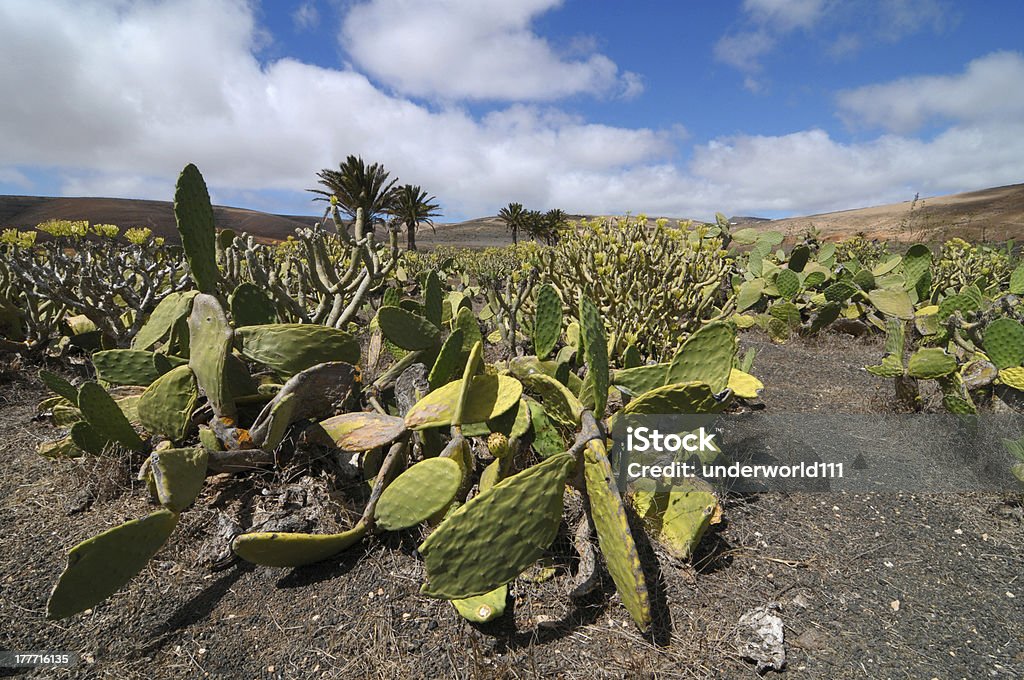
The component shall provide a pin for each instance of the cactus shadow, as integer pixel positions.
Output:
(196, 608)
(660, 633)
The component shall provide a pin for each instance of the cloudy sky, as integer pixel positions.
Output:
(752, 107)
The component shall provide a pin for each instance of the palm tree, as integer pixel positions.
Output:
(357, 185)
(412, 206)
(515, 219)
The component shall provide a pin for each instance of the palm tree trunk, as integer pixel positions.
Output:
(410, 236)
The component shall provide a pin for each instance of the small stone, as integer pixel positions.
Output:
(894, 605)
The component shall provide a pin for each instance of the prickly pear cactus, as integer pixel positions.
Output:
(166, 406)
(419, 493)
(194, 216)
(547, 324)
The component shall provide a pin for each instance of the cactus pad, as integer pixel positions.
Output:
(210, 345)
(250, 306)
(433, 300)
(930, 363)
(495, 536)
(1004, 342)
(744, 385)
(489, 397)
(168, 312)
(178, 475)
(636, 381)
(595, 349)
(678, 518)
(99, 566)
(483, 608)
(408, 330)
(559, 402)
(129, 366)
(166, 406)
(749, 294)
(787, 283)
(106, 417)
(1013, 377)
(60, 386)
(423, 490)
(707, 356)
(798, 258)
(547, 323)
(840, 291)
(547, 441)
(891, 367)
(892, 303)
(363, 431)
(86, 438)
(682, 398)
(288, 348)
(1017, 280)
(613, 534)
(194, 216)
(272, 549)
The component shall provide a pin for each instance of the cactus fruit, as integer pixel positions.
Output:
(178, 475)
(99, 566)
(272, 549)
(194, 216)
(613, 533)
(678, 518)
(168, 312)
(129, 366)
(1004, 342)
(495, 536)
(210, 345)
(250, 306)
(363, 431)
(547, 323)
(559, 402)
(408, 330)
(105, 417)
(595, 349)
(288, 348)
(706, 356)
(497, 444)
(417, 494)
(930, 363)
(483, 608)
(892, 303)
(166, 406)
(489, 397)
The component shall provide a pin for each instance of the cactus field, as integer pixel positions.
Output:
(332, 457)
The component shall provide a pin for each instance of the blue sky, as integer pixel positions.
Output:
(752, 107)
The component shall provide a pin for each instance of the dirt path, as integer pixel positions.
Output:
(870, 585)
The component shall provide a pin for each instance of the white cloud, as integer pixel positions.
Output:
(786, 14)
(744, 50)
(990, 88)
(473, 49)
(121, 116)
(306, 16)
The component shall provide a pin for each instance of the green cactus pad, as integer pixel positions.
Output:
(417, 494)
(86, 438)
(60, 386)
(433, 299)
(210, 345)
(827, 313)
(636, 381)
(892, 303)
(250, 306)
(483, 608)
(744, 385)
(288, 348)
(677, 519)
(930, 363)
(749, 294)
(168, 312)
(891, 367)
(787, 313)
(513, 423)
(99, 566)
(129, 366)
(559, 402)
(491, 475)
(363, 431)
(448, 362)
(613, 534)
(495, 536)
(547, 441)
(179, 475)
(682, 398)
(707, 356)
(956, 303)
(408, 330)
(595, 349)
(916, 264)
(631, 357)
(473, 365)
(272, 549)
(1004, 342)
(547, 323)
(1017, 280)
(166, 406)
(489, 397)
(865, 280)
(466, 321)
(194, 216)
(798, 258)
(787, 283)
(840, 291)
(106, 417)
